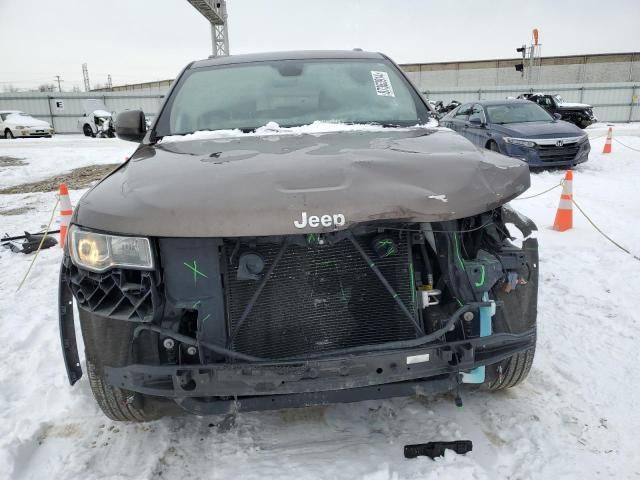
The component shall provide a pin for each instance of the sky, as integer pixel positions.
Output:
(145, 40)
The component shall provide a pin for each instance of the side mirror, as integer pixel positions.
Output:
(557, 116)
(476, 121)
(130, 125)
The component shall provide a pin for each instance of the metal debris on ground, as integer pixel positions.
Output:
(29, 243)
(437, 449)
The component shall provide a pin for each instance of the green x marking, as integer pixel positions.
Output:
(196, 272)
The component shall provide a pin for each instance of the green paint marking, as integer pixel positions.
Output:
(459, 302)
(395, 295)
(372, 264)
(196, 272)
(205, 317)
(458, 256)
(196, 304)
(391, 247)
(391, 251)
(481, 282)
(413, 284)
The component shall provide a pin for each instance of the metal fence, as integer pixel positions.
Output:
(614, 102)
(619, 102)
(65, 111)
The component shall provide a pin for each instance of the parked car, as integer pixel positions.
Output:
(579, 114)
(520, 129)
(97, 121)
(299, 263)
(14, 123)
(442, 109)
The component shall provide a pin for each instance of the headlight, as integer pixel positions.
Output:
(520, 142)
(99, 252)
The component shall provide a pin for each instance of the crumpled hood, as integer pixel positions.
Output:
(254, 186)
(558, 128)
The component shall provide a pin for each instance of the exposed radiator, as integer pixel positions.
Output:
(319, 298)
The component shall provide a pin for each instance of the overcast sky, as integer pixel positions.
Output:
(143, 40)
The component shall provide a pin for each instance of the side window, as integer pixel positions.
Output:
(543, 101)
(477, 112)
(3, 116)
(463, 112)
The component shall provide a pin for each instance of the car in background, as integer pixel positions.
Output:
(97, 120)
(520, 129)
(14, 123)
(579, 114)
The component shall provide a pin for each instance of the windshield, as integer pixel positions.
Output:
(517, 113)
(290, 93)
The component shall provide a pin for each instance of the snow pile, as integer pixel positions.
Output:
(575, 417)
(272, 128)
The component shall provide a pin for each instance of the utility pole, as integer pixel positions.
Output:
(109, 82)
(531, 63)
(59, 87)
(85, 76)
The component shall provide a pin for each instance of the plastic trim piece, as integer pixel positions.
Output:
(67, 328)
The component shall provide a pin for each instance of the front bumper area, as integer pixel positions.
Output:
(33, 132)
(187, 359)
(213, 388)
(540, 159)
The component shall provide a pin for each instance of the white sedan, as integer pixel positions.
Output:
(14, 123)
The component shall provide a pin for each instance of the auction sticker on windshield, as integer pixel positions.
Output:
(382, 84)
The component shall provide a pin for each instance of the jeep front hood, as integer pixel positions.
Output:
(254, 186)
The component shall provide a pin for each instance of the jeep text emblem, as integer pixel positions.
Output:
(337, 219)
(559, 143)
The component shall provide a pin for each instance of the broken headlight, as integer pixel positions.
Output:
(99, 252)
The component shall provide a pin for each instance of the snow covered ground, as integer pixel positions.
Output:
(575, 417)
(46, 157)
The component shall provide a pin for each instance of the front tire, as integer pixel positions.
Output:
(88, 131)
(510, 372)
(493, 146)
(8, 134)
(107, 343)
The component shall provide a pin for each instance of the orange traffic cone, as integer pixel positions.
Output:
(607, 143)
(66, 210)
(564, 215)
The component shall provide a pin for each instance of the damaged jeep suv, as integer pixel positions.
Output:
(294, 229)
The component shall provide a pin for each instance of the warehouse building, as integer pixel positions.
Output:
(609, 82)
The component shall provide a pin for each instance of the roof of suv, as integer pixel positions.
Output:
(293, 55)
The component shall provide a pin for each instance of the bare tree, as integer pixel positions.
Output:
(46, 87)
(10, 88)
